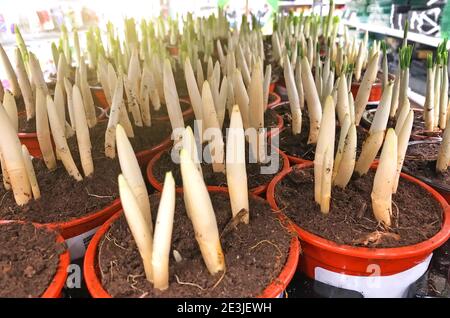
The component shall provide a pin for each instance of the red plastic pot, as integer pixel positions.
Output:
(30, 140)
(321, 255)
(422, 135)
(293, 160)
(376, 90)
(443, 190)
(173, 50)
(187, 114)
(277, 100)
(59, 280)
(159, 186)
(272, 87)
(95, 287)
(99, 97)
(143, 157)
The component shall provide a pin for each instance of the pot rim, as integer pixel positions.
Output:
(59, 279)
(365, 252)
(274, 289)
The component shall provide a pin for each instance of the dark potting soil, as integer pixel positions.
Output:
(29, 126)
(29, 259)
(417, 216)
(254, 176)
(297, 145)
(62, 197)
(162, 112)
(418, 123)
(254, 255)
(270, 120)
(421, 162)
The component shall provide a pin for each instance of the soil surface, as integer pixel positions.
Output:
(421, 162)
(29, 259)
(254, 176)
(162, 112)
(417, 216)
(62, 197)
(254, 255)
(29, 126)
(297, 145)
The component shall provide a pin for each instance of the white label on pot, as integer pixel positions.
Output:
(374, 286)
(77, 245)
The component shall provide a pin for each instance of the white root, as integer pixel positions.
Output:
(384, 180)
(236, 166)
(10, 149)
(163, 234)
(132, 173)
(82, 131)
(201, 213)
(62, 148)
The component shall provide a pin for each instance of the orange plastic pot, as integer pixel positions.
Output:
(59, 280)
(443, 190)
(277, 100)
(92, 271)
(99, 97)
(422, 135)
(319, 253)
(293, 160)
(375, 91)
(159, 186)
(31, 142)
(272, 87)
(143, 157)
(75, 227)
(173, 50)
(187, 114)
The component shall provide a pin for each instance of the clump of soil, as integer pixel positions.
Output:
(420, 162)
(254, 255)
(29, 259)
(417, 216)
(255, 177)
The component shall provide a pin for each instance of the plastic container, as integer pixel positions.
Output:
(159, 186)
(187, 114)
(79, 231)
(94, 285)
(374, 272)
(59, 280)
(444, 190)
(99, 97)
(277, 99)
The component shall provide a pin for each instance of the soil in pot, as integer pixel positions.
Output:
(418, 123)
(63, 198)
(254, 176)
(417, 215)
(162, 112)
(29, 259)
(29, 126)
(420, 162)
(297, 146)
(270, 120)
(254, 255)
